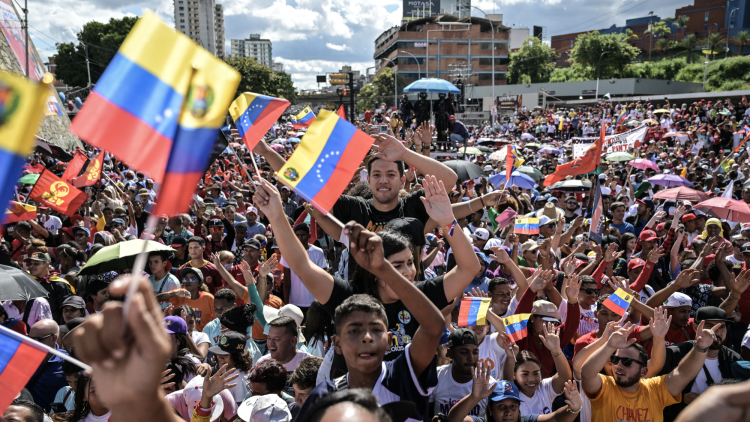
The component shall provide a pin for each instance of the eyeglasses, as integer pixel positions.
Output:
(589, 291)
(190, 279)
(625, 361)
(39, 339)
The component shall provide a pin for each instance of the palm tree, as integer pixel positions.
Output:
(715, 42)
(742, 38)
(658, 29)
(630, 35)
(662, 45)
(689, 43)
(681, 23)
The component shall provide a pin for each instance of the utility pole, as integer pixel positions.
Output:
(351, 97)
(26, 29)
(88, 68)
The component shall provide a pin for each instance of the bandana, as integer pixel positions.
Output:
(711, 221)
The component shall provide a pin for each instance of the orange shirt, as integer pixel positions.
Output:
(203, 307)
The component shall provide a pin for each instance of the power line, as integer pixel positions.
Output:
(603, 14)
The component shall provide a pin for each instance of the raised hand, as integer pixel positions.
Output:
(436, 201)
(538, 281)
(268, 199)
(655, 254)
(619, 338)
(476, 292)
(497, 197)
(572, 396)
(219, 381)
(480, 387)
(366, 247)
(620, 283)
(551, 338)
(389, 148)
(165, 377)
(705, 337)
(573, 288)
(500, 255)
(569, 267)
(513, 238)
(687, 278)
(660, 322)
(740, 283)
(266, 267)
(215, 259)
(611, 254)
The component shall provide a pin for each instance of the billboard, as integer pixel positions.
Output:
(416, 9)
(13, 31)
(508, 102)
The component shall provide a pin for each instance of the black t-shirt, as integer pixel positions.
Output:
(361, 210)
(141, 221)
(400, 321)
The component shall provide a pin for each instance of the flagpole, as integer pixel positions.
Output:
(37, 345)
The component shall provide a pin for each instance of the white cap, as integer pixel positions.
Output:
(481, 234)
(193, 392)
(543, 219)
(268, 408)
(488, 168)
(291, 311)
(678, 299)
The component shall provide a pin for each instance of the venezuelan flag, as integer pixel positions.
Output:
(527, 225)
(19, 212)
(158, 107)
(516, 326)
(325, 161)
(19, 360)
(513, 160)
(621, 118)
(21, 106)
(473, 311)
(254, 114)
(304, 118)
(618, 302)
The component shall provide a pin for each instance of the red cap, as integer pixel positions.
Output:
(647, 236)
(660, 227)
(688, 217)
(708, 260)
(635, 263)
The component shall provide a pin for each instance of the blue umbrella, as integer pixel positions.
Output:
(439, 86)
(516, 178)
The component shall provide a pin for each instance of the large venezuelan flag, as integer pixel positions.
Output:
(158, 107)
(19, 360)
(21, 106)
(254, 114)
(303, 119)
(325, 161)
(473, 311)
(516, 326)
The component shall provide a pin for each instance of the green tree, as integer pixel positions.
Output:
(366, 99)
(663, 45)
(383, 87)
(630, 35)
(689, 43)
(681, 24)
(102, 40)
(659, 29)
(531, 63)
(260, 79)
(742, 38)
(715, 43)
(588, 53)
(283, 87)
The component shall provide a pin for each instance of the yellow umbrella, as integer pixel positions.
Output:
(661, 110)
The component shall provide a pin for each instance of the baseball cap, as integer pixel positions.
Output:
(267, 408)
(187, 270)
(544, 220)
(175, 324)
(118, 221)
(546, 310)
(529, 245)
(229, 342)
(648, 236)
(647, 202)
(178, 241)
(745, 226)
(291, 311)
(710, 313)
(411, 228)
(252, 243)
(193, 392)
(488, 168)
(636, 263)
(481, 234)
(746, 248)
(462, 337)
(688, 217)
(143, 192)
(505, 390)
(678, 299)
(252, 210)
(431, 240)
(74, 301)
(77, 228)
(660, 226)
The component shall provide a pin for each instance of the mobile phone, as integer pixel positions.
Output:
(210, 207)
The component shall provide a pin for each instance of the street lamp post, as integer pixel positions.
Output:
(705, 68)
(493, 61)
(419, 68)
(395, 84)
(598, 68)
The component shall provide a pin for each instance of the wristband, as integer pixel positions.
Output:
(573, 411)
(470, 210)
(481, 198)
(695, 346)
(732, 297)
(449, 228)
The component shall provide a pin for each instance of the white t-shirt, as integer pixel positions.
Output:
(299, 295)
(91, 418)
(448, 392)
(164, 285)
(701, 381)
(240, 390)
(588, 322)
(541, 403)
(200, 338)
(289, 366)
(53, 224)
(493, 355)
(39, 310)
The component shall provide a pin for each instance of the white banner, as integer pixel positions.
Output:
(613, 143)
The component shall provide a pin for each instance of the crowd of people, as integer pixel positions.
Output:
(263, 308)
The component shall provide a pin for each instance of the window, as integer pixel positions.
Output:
(571, 43)
(486, 61)
(706, 18)
(182, 8)
(488, 76)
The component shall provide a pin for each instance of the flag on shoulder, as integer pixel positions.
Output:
(158, 107)
(303, 119)
(473, 311)
(254, 114)
(61, 196)
(21, 106)
(325, 161)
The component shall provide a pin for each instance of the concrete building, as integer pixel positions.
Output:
(517, 37)
(460, 8)
(278, 67)
(203, 22)
(254, 47)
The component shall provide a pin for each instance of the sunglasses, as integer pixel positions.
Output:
(589, 291)
(190, 279)
(625, 361)
(39, 339)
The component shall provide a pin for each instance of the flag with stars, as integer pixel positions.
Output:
(254, 114)
(303, 119)
(158, 107)
(325, 161)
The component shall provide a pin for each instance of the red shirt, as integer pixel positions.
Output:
(211, 276)
(591, 337)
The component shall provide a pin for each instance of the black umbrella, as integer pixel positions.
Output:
(571, 186)
(45, 148)
(16, 284)
(464, 169)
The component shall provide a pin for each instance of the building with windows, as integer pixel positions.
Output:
(254, 47)
(203, 22)
(277, 67)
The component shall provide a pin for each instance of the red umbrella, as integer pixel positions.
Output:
(643, 164)
(682, 193)
(727, 209)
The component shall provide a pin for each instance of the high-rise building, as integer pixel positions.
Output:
(254, 47)
(278, 67)
(203, 22)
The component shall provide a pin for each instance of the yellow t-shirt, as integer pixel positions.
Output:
(646, 405)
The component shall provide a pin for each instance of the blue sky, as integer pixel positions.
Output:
(312, 37)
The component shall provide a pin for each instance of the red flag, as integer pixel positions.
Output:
(341, 112)
(92, 173)
(19, 212)
(74, 166)
(508, 163)
(586, 163)
(53, 192)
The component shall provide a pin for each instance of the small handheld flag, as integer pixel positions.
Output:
(516, 326)
(506, 217)
(618, 301)
(527, 225)
(303, 119)
(621, 118)
(254, 114)
(473, 311)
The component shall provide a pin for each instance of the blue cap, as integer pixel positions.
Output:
(118, 221)
(465, 199)
(505, 390)
(175, 324)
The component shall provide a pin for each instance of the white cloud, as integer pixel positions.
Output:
(333, 46)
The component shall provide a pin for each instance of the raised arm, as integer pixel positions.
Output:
(590, 378)
(272, 157)
(391, 149)
(316, 280)
(502, 257)
(551, 339)
(692, 363)
(738, 286)
(686, 279)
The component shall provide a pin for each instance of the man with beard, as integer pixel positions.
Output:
(719, 358)
(626, 395)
